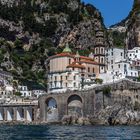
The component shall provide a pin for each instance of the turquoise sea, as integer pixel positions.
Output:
(57, 132)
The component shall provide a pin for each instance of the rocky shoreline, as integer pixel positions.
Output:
(117, 114)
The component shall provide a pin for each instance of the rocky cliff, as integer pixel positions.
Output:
(131, 28)
(32, 30)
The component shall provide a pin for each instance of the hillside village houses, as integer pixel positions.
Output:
(119, 65)
(69, 71)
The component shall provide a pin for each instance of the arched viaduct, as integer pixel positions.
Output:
(18, 112)
(87, 102)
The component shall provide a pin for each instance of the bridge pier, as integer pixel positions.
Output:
(1, 114)
(28, 112)
(18, 113)
(10, 114)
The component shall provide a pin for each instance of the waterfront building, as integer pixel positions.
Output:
(118, 66)
(68, 71)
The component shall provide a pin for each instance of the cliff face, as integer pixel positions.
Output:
(128, 30)
(32, 30)
(133, 27)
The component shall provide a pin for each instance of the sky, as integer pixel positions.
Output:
(113, 11)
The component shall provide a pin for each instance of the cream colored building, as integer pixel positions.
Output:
(69, 71)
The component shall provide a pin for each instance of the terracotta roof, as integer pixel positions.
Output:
(89, 61)
(67, 54)
(75, 65)
(62, 55)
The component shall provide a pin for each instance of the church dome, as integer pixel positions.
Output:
(67, 49)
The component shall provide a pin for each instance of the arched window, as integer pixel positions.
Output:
(102, 50)
(102, 60)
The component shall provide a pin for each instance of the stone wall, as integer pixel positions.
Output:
(93, 100)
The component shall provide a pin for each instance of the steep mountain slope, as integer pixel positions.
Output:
(32, 30)
(132, 26)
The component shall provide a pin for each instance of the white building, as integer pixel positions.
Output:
(134, 54)
(118, 67)
(24, 91)
(38, 92)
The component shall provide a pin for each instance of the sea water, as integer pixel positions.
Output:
(58, 132)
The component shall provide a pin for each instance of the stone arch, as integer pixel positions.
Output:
(75, 105)
(51, 109)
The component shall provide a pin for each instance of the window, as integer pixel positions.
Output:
(66, 84)
(93, 70)
(121, 54)
(61, 78)
(112, 53)
(51, 84)
(102, 60)
(135, 56)
(61, 84)
(74, 77)
(131, 74)
(55, 84)
(130, 54)
(96, 51)
(136, 51)
(24, 88)
(119, 66)
(51, 77)
(111, 61)
(88, 69)
(66, 77)
(112, 66)
(55, 78)
(69, 61)
(102, 50)
(74, 84)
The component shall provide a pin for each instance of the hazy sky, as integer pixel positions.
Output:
(113, 11)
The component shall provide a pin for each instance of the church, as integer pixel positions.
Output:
(68, 71)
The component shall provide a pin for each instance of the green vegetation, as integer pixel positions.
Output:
(107, 91)
(98, 81)
(118, 39)
(17, 94)
(28, 63)
(136, 106)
